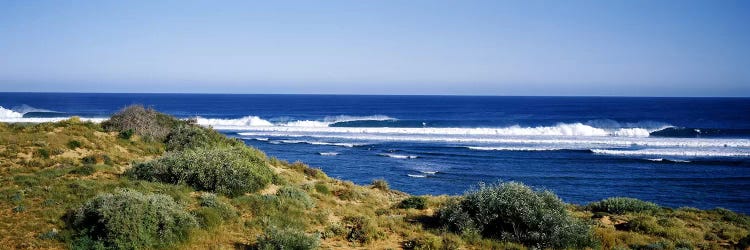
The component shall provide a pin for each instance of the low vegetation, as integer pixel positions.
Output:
(514, 212)
(231, 171)
(622, 205)
(144, 180)
(128, 219)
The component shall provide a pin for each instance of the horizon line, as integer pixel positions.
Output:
(359, 94)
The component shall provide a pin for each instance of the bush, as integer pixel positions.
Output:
(129, 219)
(73, 144)
(380, 184)
(322, 188)
(287, 239)
(231, 171)
(514, 212)
(126, 134)
(84, 170)
(42, 153)
(96, 159)
(621, 205)
(209, 200)
(145, 122)
(186, 136)
(289, 192)
(416, 202)
(361, 229)
(273, 211)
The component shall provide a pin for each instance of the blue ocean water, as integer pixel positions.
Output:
(672, 151)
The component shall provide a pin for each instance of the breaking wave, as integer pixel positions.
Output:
(673, 152)
(25, 113)
(249, 122)
(397, 156)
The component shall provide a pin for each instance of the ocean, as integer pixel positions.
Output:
(672, 151)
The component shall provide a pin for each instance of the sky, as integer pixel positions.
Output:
(601, 48)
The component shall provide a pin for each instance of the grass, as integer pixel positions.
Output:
(298, 207)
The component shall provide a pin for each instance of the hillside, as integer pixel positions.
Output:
(146, 180)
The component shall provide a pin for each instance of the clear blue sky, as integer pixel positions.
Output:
(618, 47)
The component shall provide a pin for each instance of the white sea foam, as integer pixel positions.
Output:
(340, 144)
(9, 114)
(562, 129)
(668, 160)
(328, 153)
(514, 148)
(429, 172)
(247, 121)
(251, 122)
(16, 116)
(397, 156)
(417, 175)
(560, 142)
(674, 152)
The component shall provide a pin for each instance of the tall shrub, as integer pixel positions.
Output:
(231, 171)
(514, 212)
(128, 219)
(142, 121)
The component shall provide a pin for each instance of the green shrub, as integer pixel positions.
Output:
(87, 169)
(621, 205)
(286, 238)
(96, 159)
(73, 144)
(416, 202)
(209, 200)
(186, 136)
(514, 212)
(126, 134)
(42, 153)
(231, 171)
(380, 184)
(145, 122)
(293, 193)
(273, 211)
(643, 224)
(361, 229)
(129, 219)
(322, 188)
(207, 217)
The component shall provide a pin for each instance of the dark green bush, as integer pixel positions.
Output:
(514, 212)
(361, 229)
(210, 200)
(286, 238)
(73, 144)
(322, 188)
(208, 217)
(97, 159)
(273, 211)
(87, 169)
(621, 205)
(380, 184)
(416, 202)
(145, 122)
(126, 134)
(186, 136)
(293, 193)
(129, 219)
(42, 153)
(231, 171)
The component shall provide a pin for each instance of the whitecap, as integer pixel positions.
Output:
(397, 156)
